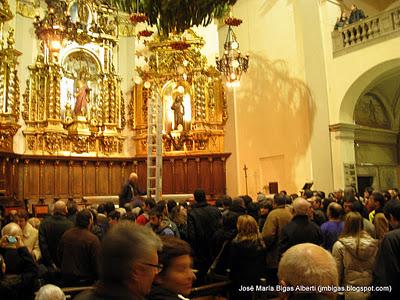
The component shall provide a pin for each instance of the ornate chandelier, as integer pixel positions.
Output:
(232, 64)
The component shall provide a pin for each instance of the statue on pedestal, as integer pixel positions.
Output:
(179, 111)
(82, 94)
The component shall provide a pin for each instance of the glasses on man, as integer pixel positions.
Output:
(158, 266)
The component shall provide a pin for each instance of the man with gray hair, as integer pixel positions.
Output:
(300, 229)
(50, 291)
(50, 232)
(130, 190)
(128, 263)
(307, 267)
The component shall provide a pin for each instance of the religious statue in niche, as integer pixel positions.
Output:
(179, 111)
(82, 94)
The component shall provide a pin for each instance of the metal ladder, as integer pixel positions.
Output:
(154, 145)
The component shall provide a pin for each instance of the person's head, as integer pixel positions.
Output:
(280, 200)
(265, 207)
(378, 200)
(334, 211)
(338, 193)
(247, 228)
(353, 7)
(301, 207)
(349, 203)
(101, 209)
(50, 291)
(353, 224)
(368, 192)
(22, 218)
(247, 199)
(128, 256)
(307, 194)
(394, 216)
(133, 177)
(238, 202)
(113, 217)
(35, 222)
(156, 216)
(316, 202)
(394, 192)
(72, 207)
(149, 203)
(308, 265)
(199, 196)
(226, 201)
(176, 258)
(84, 219)
(109, 207)
(11, 229)
(170, 205)
(60, 208)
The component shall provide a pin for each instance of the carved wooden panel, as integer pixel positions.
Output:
(63, 179)
(179, 180)
(193, 175)
(90, 175)
(167, 180)
(33, 177)
(77, 180)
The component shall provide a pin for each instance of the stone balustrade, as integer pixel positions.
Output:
(383, 26)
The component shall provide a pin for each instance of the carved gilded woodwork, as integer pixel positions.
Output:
(192, 94)
(9, 83)
(73, 103)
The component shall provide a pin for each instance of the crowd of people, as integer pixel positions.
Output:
(149, 250)
(356, 14)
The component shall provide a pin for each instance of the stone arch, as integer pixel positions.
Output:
(364, 83)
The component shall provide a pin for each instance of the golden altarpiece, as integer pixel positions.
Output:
(73, 103)
(192, 94)
(74, 116)
(9, 84)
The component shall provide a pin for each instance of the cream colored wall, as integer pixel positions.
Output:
(281, 107)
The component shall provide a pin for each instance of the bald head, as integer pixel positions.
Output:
(309, 265)
(133, 177)
(301, 206)
(11, 229)
(60, 208)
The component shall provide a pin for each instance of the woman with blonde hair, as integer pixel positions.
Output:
(355, 253)
(247, 257)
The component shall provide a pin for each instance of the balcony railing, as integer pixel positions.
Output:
(374, 29)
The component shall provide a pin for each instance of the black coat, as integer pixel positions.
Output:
(159, 293)
(202, 222)
(128, 192)
(247, 262)
(50, 232)
(108, 292)
(387, 265)
(300, 230)
(21, 274)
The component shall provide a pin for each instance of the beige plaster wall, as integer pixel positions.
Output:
(279, 100)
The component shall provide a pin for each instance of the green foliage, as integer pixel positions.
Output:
(177, 15)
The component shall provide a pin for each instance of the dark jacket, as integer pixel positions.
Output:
(202, 221)
(300, 230)
(108, 292)
(129, 191)
(50, 232)
(387, 265)
(356, 15)
(21, 273)
(159, 293)
(78, 250)
(247, 262)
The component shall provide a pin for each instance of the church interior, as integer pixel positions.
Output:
(302, 102)
(120, 113)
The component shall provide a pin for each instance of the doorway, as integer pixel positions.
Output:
(363, 182)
